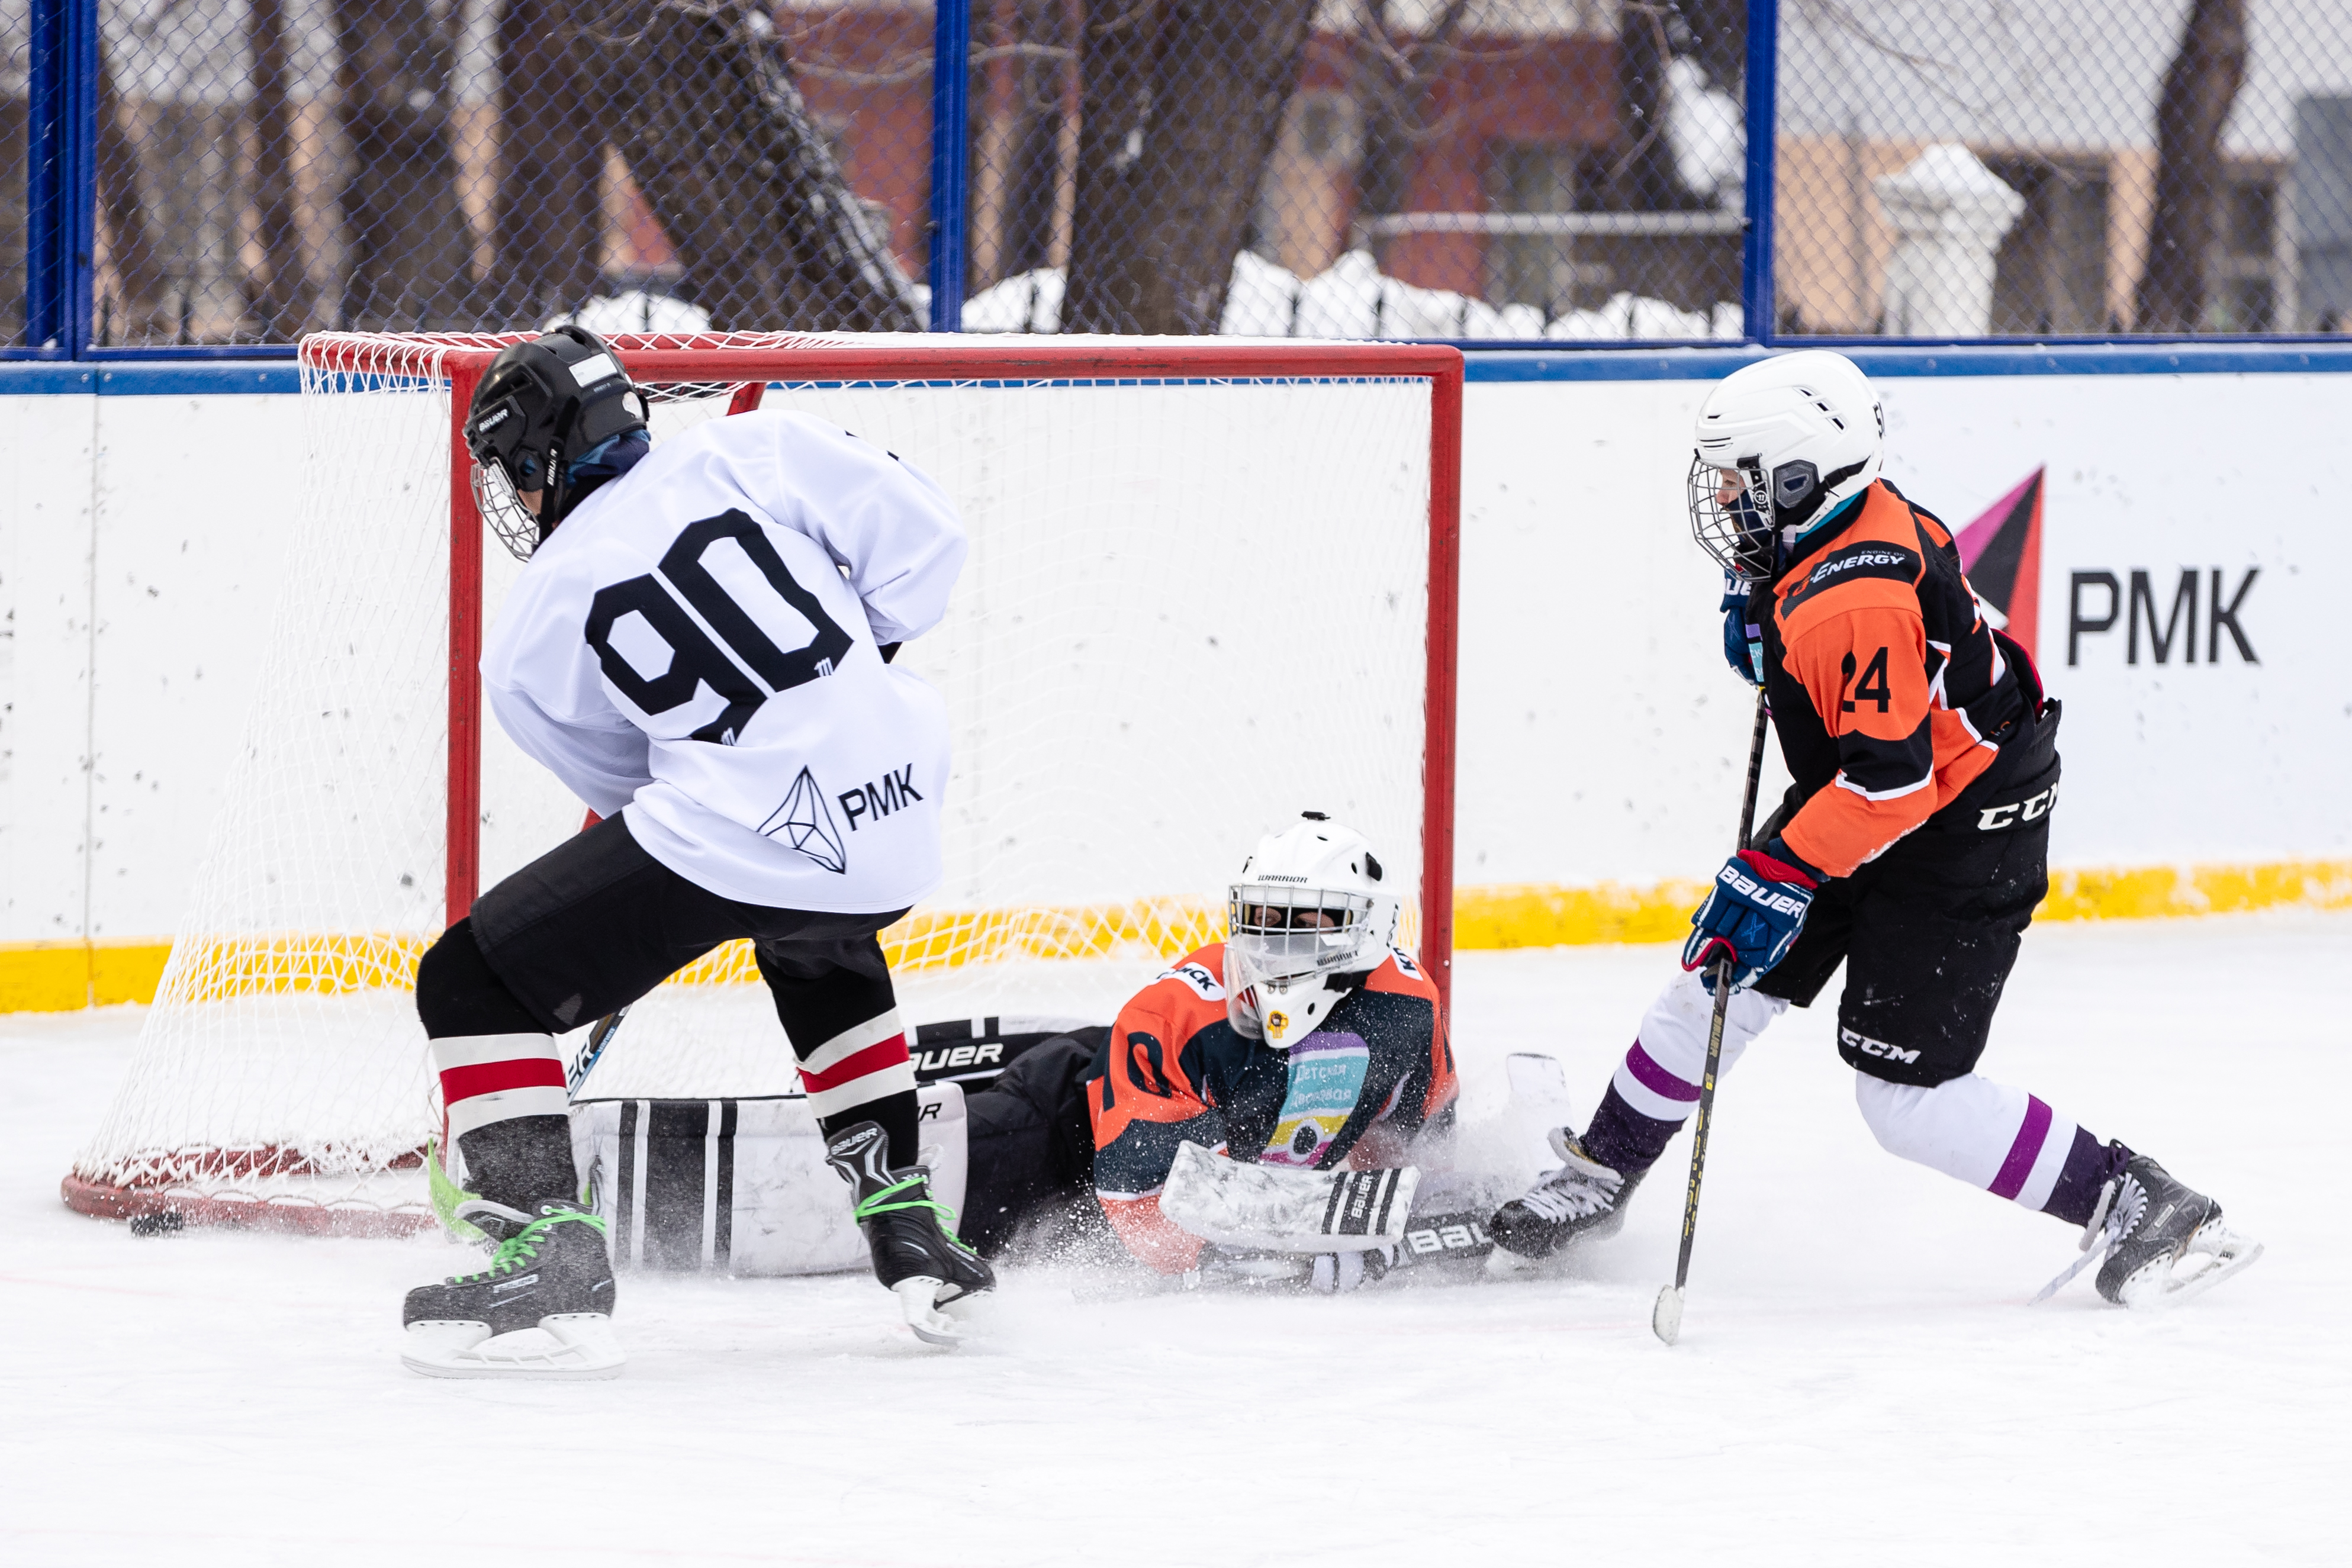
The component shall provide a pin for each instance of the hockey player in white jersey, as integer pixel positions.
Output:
(700, 648)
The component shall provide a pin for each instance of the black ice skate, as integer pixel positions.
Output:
(541, 1310)
(917, 1254)
(2155, 1241)
(1582, 1200)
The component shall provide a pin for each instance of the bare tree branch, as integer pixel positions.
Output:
(2199, 89)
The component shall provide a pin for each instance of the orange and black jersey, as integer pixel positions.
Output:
(1890, 693)
(1176, 1072)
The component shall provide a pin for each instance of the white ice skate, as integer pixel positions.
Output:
(563, 1347)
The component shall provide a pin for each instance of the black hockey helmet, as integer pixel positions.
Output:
(540, 407)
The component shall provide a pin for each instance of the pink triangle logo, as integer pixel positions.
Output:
(2001, 553)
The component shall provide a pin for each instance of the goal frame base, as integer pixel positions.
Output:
(106, 1200)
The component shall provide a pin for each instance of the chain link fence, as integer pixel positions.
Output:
(1954, 169)
(1357, 168)
(1474, 169)
(1516, 169)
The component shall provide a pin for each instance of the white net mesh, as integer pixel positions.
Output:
(1192, 608)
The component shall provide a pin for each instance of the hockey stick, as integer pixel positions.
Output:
(1666, 1317)
(584, 1060)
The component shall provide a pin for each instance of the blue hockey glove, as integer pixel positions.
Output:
(1743, 639)
(1750, 916)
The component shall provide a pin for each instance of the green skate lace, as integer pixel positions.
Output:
(524, 1243)
(868, 1207)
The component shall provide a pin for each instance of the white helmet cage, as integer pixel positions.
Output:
(1308, 908)
(1803, 432)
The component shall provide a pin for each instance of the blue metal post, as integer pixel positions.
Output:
(79, 219)
(950, 159)
(1756, 301)
(44, 168)
(60, 175)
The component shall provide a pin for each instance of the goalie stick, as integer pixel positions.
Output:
(1666, 1317)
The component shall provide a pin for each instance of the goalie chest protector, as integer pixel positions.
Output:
(739, 1186)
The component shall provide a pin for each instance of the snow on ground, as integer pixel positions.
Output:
(1859, 1379)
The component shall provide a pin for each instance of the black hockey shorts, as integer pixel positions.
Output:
(1030, 1145)
(1928, 931)
(596, 923)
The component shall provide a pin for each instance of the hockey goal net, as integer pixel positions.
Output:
(1210, 586)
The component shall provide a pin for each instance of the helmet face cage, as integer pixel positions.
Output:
(1737, 533)
(1285, 932)
(502, 510)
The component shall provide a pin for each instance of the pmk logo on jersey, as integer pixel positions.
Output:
(1878, 1048)
(804, 823)
(895, 793)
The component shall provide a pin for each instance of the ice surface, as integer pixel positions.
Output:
(1858, 1380)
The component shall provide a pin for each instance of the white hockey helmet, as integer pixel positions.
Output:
(1309, 906)
(1802, 431)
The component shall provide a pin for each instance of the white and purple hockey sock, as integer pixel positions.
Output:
(2008, 1142)
(1655, 1087)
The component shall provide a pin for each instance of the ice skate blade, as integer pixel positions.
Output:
(1666, 1317)
(1503, 1263)
(565, 1347)
(919, 1300)
(2161, 1286)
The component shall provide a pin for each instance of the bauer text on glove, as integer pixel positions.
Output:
(1750, 916)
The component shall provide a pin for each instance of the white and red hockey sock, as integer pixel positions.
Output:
(863, 1075)
(508, 1113)
(1988, 1135)
(1655, 1087)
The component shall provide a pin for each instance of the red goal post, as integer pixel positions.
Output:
(752, 360)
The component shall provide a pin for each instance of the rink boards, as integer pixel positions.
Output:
(2182, 561)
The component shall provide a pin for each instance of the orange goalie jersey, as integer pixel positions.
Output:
(1890, 692)
(1176, 1072)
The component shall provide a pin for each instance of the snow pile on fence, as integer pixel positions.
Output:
(1354, 299)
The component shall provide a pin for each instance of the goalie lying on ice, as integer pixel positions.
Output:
(1306, 1040)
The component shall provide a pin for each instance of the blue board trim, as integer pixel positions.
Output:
(181, 378)
(2088, 359)
(195, 377)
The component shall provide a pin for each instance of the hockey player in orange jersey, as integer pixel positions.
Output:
(1307, 1039)
(1911, 848)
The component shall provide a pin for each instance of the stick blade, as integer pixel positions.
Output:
(1666, 1317)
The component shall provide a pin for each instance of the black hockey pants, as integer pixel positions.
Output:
(1031, 1147)
(1929, 930)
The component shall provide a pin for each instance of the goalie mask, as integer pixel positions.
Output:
(1781, 443)
(1308, 909)
(546, 411)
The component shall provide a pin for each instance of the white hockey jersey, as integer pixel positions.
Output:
(697, 648)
